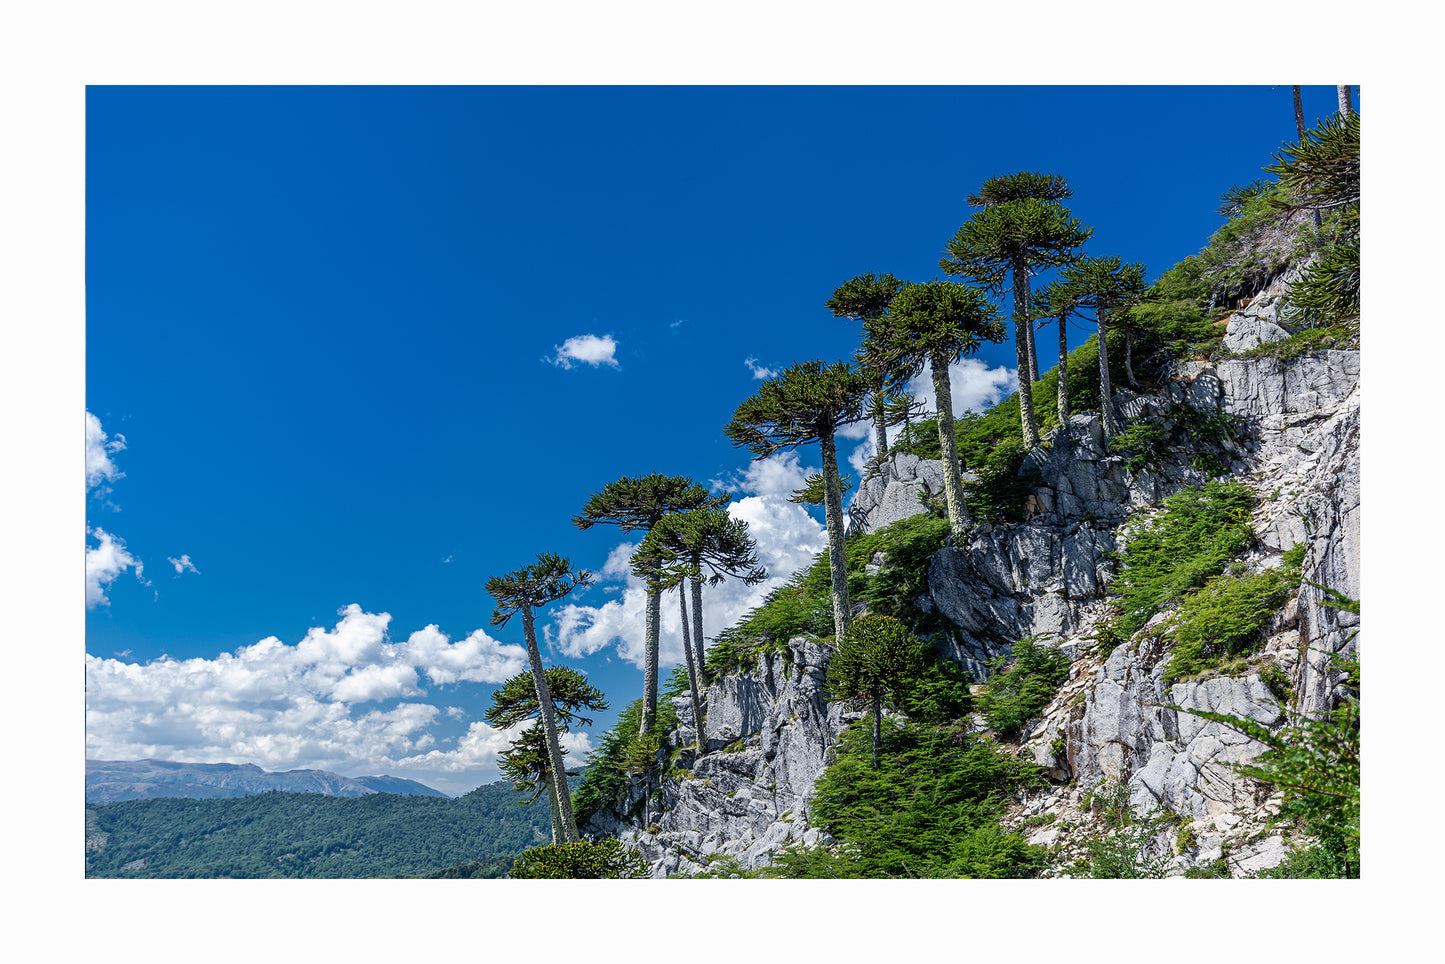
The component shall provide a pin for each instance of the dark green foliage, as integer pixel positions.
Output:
(806, 402)
(1021, 684)
(1213, 869)
(639, 503)
(622, 753)
(801, 606)
(1129, 848)
(1143, 444)
(878, 656)
(1200, 530)
(516, 699)
(1225, 619)
(604, 860)
(938, 693)
(492, 868)
(1322, 171)
(312, 835)
(930, 809)
(940, 319)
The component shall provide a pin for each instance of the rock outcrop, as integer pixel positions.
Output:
(1116, 720)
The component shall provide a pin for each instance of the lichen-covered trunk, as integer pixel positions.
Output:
(1024, 348)
(1033, 352)
(833, 516)
(1299, 126)
(948, 444)
(649, 662)
(880, 425)
(692, 669)
(1063, 372)
(1105, 394)
(1343, 91)
(697, 616)
(552, 799)
(1129, 358)
(558, 787)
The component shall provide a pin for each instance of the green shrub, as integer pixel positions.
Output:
(1021, 685)
(1128, 847)
(1199, 531)
(606, 859)
(930, 809)
(1143, 444)
(1225, 619)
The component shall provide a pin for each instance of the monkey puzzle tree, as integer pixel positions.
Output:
(522, 591)
(1020, 228)
(1057, 301)
(935, 323)
(808, 402)
(865, 298)
(876, 657)
(640, 503)
(525, 762)
(1107, 287)
(681, 546)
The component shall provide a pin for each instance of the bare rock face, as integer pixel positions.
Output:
(775, 730)
(902, 488)
(1116, 720)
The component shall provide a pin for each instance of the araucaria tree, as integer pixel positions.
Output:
(680, 547)
(876, 657)
(523, 591)
(640, 503)
(1020, 228)
(1056, 301)
(808, 403)
(527, 760)
(1108, 287)
(865, 298)
(934, 323)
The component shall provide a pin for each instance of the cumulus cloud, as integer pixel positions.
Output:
(759, 371)
(183, 564)
(98, 450)
(973, 384)
(324, 702)
(788, 539)
(586, 349)
(103, 565)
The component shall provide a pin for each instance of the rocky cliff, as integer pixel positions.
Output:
(1296, 446)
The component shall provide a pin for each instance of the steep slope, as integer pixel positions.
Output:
(1290, 433)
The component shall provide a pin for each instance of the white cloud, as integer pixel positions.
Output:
(183, 564)
(586, 349)
(98, 450)
(973, 384)
(759, 371)
(788, 539)
(103, 565)
(324, 702)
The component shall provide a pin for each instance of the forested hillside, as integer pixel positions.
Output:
(280, 834)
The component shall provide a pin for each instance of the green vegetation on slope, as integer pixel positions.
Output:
(311, 835)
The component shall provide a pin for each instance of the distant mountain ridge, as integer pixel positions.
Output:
(109, 781)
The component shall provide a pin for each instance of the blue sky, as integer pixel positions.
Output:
(352, 351)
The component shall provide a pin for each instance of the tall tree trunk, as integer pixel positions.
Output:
(877, 726)
(1129, 358)
(649, 662)
(1346, 108)
(837, 554)
(1105, 395)
(697, 618)
(1299, 126)
(880, 419)
(691, 670)
(560, 794)
(1033, 352)
(948, 444)
(547, 782)
(1063, 372)
(1022, 347)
